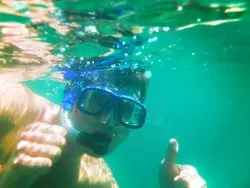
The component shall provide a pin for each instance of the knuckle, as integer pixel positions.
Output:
(43, 162)
(55, 140)
(34, 126)
(59, 130)
(41, 150)
(30, 135)
(188, 168)
(62, 141)
(64, 131)
(42, 126)
(177, 169)
(55, 152)
(36, 150)
(28, 164)
(48, 151)
(40, 165)
(22, 144)
(48, 163)
(21, 160)
(191, 169)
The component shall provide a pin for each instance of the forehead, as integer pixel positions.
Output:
(122, 90)
(125, 83)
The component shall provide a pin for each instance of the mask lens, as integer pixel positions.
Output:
(94, 101)
(132, 114)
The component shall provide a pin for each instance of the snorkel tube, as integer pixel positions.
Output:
(80, 69)
(97, 142)
(67, 107)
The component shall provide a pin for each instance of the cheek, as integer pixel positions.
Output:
(83, 121)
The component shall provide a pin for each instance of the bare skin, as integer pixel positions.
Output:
(27, 126)
(37, 157)
(40, 144)
(176, 175)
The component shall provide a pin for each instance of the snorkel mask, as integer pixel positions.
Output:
(96, 101)
(96, 142)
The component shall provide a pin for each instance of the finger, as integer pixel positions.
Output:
(185, 176)
(42, 138)
(181, 181)
(46, 128)
(188, 169)
(171, 155)
(189, 177)
(27, 164)
(198, 182)
(39, 150)
(48, 114)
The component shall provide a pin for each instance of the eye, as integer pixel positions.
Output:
(131, 112)
(94, 101)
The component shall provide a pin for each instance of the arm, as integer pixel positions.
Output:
(13, 178)
(12, 119)
(95, 172)
(27, 159)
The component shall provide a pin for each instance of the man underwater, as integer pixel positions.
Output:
(56, 146)
(45, 145)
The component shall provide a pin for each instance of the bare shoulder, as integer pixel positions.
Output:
(96, 173)
(17, 101)
(19, 106)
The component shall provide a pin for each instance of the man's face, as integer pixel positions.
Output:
(105, 127)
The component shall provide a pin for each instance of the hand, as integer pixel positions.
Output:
(40, 145)
(178, 176)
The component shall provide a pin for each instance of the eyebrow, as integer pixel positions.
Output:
(136, 90)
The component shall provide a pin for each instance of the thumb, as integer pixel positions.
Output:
(171, 156)
(48, 114)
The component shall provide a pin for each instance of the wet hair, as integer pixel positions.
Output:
(134, 79)
(129, 77)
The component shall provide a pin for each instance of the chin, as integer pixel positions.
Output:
(95, 144)
(94, 152)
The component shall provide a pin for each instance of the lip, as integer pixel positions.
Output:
(98, 142)
(99, 135)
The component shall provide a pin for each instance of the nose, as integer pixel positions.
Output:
(108, 117)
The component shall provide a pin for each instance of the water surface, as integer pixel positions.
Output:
(198, 54)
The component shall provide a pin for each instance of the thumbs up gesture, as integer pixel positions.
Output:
(38, 148)
(178, 176)
(40, 144)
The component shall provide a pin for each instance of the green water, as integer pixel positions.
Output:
(203, 101)
(199, 94)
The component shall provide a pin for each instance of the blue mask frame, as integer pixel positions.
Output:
(114, 103)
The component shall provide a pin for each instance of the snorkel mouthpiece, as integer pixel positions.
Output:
(97, 142)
